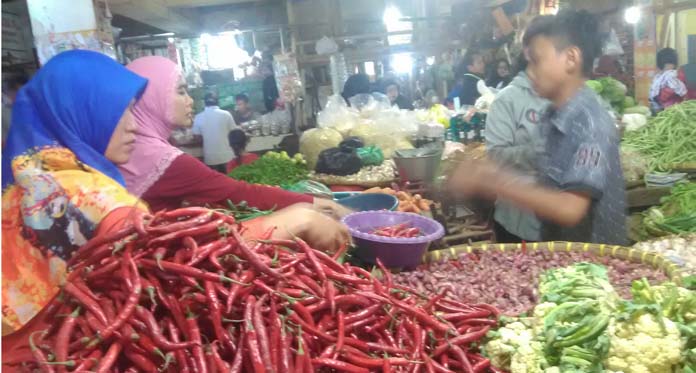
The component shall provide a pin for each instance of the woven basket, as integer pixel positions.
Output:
(657, 261)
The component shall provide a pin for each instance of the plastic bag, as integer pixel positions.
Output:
(370, 156)
(612, 47)
(314, 188)
(351, 143)
(370, 103)
(335, 161)
(338, 115)
(315, 141)
(326, 45)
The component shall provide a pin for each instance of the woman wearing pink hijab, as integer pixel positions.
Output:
(165, 177)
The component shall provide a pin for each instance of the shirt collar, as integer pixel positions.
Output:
(560, 117)
(215, 107)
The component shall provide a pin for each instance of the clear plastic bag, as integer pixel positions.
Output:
(337, 115)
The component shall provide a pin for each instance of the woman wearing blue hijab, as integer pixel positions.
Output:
(71, 125)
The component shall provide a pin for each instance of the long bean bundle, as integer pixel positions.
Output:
(668, 139)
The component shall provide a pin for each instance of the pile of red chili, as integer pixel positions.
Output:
(182, 291)
(403, 230)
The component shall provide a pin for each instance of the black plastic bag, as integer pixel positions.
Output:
(336, 161)
(351, 143)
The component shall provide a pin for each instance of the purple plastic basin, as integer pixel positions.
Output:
(393, 252)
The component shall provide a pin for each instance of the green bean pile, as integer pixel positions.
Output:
(668, 139)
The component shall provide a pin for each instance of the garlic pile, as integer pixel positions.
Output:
(679, 249)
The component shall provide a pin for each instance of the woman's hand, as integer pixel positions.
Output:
(331, 208)
(318, 230)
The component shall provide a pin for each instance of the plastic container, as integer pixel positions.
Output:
(367, 202)
(404, 253)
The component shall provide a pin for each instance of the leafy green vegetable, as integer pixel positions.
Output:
(595, 85)
(628, 102)
(677, 214)
(613, 90)
(273, 169)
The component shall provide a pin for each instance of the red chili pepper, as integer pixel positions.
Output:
(140, 361)
(466, 338)
(200, 230)
(181, 225)
(331, 296)
(262, 333)
(274, 335)
(461, 356)
(220, 364)
(339, 365)
(195, 336)
(360, 359)
(341, 331)
(64, 336)
(216, 316)
(104, 239)
(205, 251)
(155, 331)
(36, 352)
(247, 277)
(422, 316)
(89, 362)
(128, 309)
(109, 358)
(90, 304)
(238, 360)
(251, 336)
(253, 258)
(180, 355)
(284, 361)
(309, 284)
(187, 271)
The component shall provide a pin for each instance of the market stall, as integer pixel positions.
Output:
(424, 284)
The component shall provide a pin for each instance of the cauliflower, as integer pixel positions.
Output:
(515, 349)
(643, 346)
(529, 358)
(540, 312)
(509, 339)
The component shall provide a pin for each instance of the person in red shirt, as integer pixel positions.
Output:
(238, 142)
(666, 89)
(167, 178)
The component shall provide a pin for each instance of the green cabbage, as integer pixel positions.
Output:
(613, 90)
(595, 85)
(629, 102)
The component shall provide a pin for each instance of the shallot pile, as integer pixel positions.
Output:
(508, 280)
(182, 291)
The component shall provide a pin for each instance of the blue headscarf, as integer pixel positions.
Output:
(74, 101)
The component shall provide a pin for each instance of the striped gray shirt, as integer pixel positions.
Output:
(582, 155)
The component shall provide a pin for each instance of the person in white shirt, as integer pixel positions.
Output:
(213, 124)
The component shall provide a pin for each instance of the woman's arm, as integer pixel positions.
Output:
(188, 179)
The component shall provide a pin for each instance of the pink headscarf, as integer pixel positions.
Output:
(153, 112)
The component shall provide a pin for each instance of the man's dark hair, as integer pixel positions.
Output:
(390, 82)
(470, 57)
(467, 61)
(238, 141)
(568, 28)
(211, 99)
(242, 97)
(355, 85)
(667, 56)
